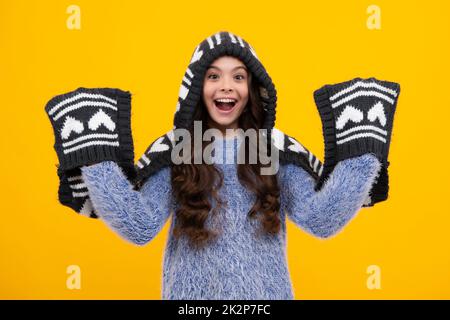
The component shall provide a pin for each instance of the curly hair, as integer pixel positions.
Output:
(192, 184)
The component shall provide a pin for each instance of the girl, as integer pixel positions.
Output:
(227, 237)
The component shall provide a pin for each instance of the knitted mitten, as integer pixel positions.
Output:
(92, 125)
(73, 192)
(357, 117)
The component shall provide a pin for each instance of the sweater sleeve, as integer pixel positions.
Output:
(324, 213)
(136, 216)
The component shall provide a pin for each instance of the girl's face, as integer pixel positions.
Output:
(225, 92)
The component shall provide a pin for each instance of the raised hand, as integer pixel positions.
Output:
(357, 118)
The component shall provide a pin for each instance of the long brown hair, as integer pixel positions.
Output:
(193, 184)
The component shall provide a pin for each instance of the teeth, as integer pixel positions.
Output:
(225, 100)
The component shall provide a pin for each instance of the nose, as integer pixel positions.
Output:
(226, 85)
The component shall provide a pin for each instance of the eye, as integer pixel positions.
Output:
(242, 77)
(212, 75)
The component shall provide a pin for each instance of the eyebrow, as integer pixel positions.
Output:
(215, 67)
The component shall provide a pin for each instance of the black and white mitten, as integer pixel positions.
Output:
(92, 125)
(357, 118)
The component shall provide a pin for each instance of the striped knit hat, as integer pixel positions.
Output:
(213, 47)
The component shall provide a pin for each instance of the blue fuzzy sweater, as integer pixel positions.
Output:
(240, 264)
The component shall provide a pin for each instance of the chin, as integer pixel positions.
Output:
(222, 121)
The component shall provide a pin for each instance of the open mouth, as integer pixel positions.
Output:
(225, 104)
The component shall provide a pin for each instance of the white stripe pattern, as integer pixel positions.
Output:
(320, 171)
(359, 94)
(210, 42)
(143, 161)
(189, 72)
(80, 194)
(363, 85)
(74, 178)
(92, 143)
(233, 39)
(84, 104)
(146, 159)
(361, 135)
(187, 80)
(183, 92)
(91, 136)
(253, 51)
(361, 128)
(87, 208)
(316, 163)
(218, 39)
(81, 96)
(78, 186)
(240, 41)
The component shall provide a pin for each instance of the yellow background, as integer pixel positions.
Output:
(145, 48)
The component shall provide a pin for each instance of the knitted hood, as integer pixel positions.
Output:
(213, 47)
